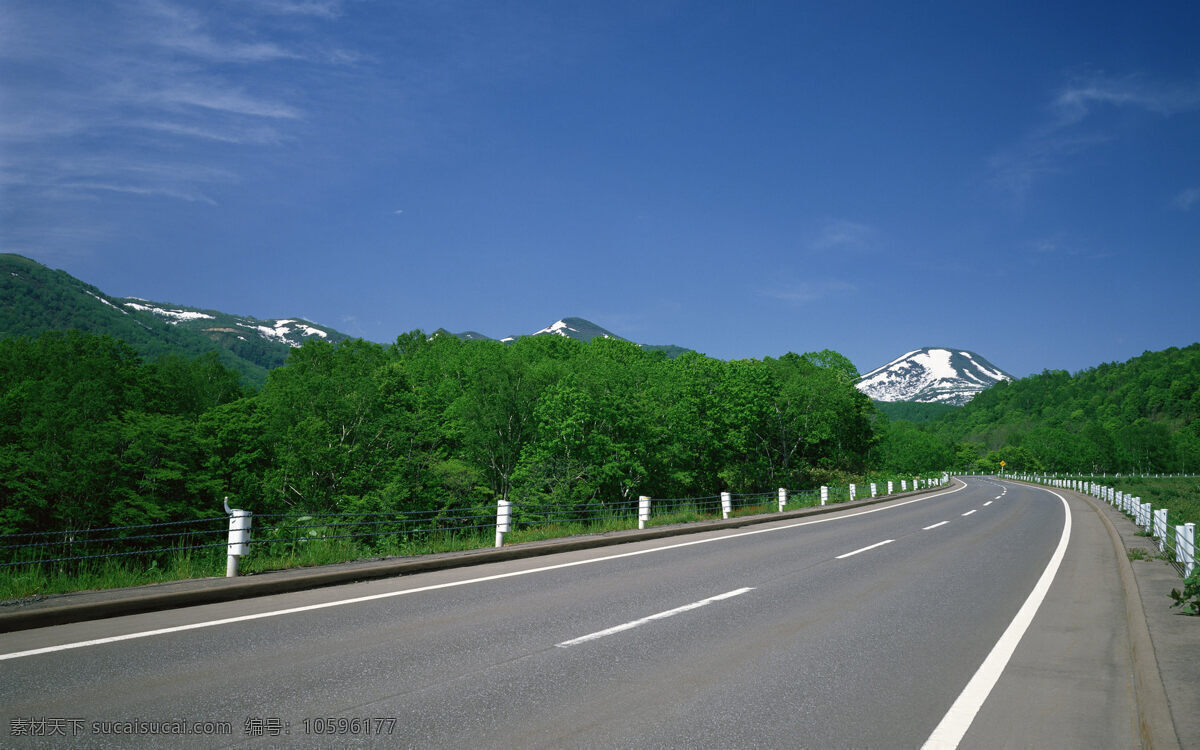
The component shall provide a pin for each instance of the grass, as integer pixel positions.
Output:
(572, 528)
(1180, 495)
(24, 582)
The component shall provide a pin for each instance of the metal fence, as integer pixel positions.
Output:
(1177, 544)
(241, 533)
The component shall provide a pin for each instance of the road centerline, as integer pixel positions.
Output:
(969, 512)
(954, 725)
(942, 523)
(659, 616)
(864, 549)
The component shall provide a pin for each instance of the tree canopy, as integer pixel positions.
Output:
(91, 435)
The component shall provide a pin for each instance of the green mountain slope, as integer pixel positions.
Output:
(34, 298)
(1142, 415)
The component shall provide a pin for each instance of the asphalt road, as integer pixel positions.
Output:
(849, 630)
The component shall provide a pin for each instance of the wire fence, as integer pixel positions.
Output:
(282, 534)
(149, 540)
(1176, 542)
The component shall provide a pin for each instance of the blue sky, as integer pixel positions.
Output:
(743, 179)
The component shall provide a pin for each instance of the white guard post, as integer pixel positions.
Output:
(1160, 528)
(1185, 547)
(824, 494)
(852, 488)
(726, 504)
(891, 487)
(503, 516)
(874, 490)
(239, 537)
(643, 511)
(782, 498)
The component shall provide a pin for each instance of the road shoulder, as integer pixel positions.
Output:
(1174, 636)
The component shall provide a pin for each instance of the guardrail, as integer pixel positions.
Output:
(1179, 547)
(241, 532)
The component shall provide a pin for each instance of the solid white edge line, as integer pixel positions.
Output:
(452, 584)
(942, 523)
(864, 549)
(954, 725)
(660, 616)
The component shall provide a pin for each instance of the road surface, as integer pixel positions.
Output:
(856, 629)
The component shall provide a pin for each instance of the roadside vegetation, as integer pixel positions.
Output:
(93, 436)
(1180, 495)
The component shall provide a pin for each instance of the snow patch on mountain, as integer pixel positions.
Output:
(103, 301)
(560, 328)
(286, 331)
(932, 375)
(174, 316)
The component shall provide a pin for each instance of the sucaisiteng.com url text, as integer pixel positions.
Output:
(51, 726)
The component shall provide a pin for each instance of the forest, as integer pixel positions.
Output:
(1134, 417)
(93, 435)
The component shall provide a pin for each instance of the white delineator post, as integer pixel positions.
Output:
(240, 522)
(873, 490)
(782, 498)
(824, 494)
(1185, 547)
(503, 519)
(852, 488)
(904, 485)
(1160, 528)
(643, 511)
(891, 487)
(726, 504)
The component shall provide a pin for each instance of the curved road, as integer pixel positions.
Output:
(856, 629)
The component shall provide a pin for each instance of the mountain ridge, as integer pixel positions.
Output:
(579, 329)
(35, 299)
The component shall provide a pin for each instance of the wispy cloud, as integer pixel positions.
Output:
(222, 98)
(162, 88)
(183, 30)
(811, 291)
(1075, 125)
(841, 234)
(1083, 96)
(1187, 199)
(320, 8)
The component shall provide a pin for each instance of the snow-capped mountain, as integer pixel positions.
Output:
(34, 299)
(290, 331)
(582, 330)
(571, 328)
(576, 328)
(933, 376)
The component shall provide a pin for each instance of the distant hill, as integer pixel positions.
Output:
(1141, 415)
(932, 375)
(34, 298)
(582, 330)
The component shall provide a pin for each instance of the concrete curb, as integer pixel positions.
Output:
(96, 605)
(1155, 724)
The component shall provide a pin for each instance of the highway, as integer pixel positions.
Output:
(855, 629)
